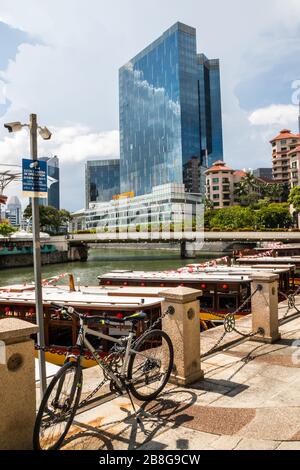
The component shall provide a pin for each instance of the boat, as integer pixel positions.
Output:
(60, 330)
(270, 260)
(224, 289)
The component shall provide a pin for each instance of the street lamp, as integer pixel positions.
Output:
(34, 128)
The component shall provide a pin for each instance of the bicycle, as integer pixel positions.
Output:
(138, 372)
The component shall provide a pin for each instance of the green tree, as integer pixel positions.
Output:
(264, 216)
(232, 218)
(276, 192)
(6, 228)
(274, 216)
(294, 198)
(208, 204)
(51, 219)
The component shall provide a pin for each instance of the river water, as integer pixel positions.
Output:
(101, 261)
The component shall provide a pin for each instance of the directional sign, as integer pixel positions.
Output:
(34, 178)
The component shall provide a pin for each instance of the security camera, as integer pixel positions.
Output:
(13, 126)
(45, 133)
(34, 165)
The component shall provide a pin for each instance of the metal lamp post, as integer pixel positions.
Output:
(46, 135)
(37, 261)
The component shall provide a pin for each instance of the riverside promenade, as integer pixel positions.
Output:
(249, 399)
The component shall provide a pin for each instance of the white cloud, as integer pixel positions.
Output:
(276, 114)
(2, 92)
(72, 144)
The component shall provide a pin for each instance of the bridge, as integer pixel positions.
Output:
(252, 237)
(188, 242)
(74, 247)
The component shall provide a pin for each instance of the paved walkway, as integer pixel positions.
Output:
(250, 399)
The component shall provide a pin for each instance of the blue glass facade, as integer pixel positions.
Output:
(216, 113)
(102, 180)
(160, 129)
(210, 109)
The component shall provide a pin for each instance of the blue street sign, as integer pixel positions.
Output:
(34, 178)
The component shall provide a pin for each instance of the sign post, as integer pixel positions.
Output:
(35, 186)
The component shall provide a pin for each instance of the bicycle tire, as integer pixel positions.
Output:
(138, 346)
(37, 427)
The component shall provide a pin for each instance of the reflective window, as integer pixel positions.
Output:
(102, 180)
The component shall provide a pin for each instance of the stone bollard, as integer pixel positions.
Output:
(183, 327)
(264, 307)
(17, 384)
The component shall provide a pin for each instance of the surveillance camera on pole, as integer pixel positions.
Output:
(13, 126)
(45, 133)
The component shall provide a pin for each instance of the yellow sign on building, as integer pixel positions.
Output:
(130, 194)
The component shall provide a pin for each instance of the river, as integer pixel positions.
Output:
(101, 261)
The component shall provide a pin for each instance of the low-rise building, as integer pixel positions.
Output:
(221, 183)
(165, 205)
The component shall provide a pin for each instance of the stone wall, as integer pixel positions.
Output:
(19, 261)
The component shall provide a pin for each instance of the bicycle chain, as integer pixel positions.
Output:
(291, 303)
(229, 325)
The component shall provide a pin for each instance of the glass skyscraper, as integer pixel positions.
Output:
(210, 109)
(161, 114)
(53, 183)
(102, 180)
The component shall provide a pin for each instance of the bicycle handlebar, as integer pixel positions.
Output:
(70, 310)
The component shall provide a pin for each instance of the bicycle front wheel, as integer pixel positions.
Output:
(58, 408)
(150, 365)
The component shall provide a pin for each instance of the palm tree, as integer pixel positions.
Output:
(208, 204)
(248, 190)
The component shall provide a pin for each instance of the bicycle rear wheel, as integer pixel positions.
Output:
(150, 365)
(58, 408)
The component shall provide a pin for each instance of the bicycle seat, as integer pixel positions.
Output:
(136, 316)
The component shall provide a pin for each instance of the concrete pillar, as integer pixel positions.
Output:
(183, 326)
(17, 384)
(264, 307)
(78, 252)
(187, 250)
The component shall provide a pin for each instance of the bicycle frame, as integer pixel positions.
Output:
(82, 340)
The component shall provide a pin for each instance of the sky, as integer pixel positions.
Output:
(60, 59)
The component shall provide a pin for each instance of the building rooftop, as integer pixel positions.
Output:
(175, 27)
(219, 166)
(285, 134)
(241, 173)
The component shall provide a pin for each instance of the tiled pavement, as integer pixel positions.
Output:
(250, 399)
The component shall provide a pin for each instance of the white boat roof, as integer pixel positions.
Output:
(174, 276)
(270, 259)
(97, 298)
(245, 269)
